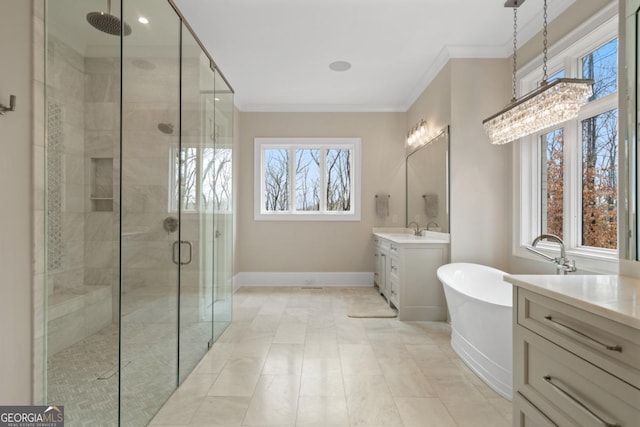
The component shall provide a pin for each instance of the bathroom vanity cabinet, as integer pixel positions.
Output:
(576, 351)
(405, 273)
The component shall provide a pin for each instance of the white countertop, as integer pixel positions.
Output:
(430, 237)
(614, 297)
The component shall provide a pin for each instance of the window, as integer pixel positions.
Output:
(206, 179)
(599, 180)
(552, 202)
(307, 179)
(568, 174)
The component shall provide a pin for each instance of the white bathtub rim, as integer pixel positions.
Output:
(495, 376)
(476, 300)
(444, 274)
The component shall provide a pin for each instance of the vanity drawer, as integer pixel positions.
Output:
(592, 337)
(527, 415)
(566, 387)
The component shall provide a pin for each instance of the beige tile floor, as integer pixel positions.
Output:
(292, 357)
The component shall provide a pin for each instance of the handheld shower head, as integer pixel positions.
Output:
(165, 128)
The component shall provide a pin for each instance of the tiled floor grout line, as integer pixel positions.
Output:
(370, 334)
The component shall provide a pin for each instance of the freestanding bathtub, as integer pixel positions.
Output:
(480, 307)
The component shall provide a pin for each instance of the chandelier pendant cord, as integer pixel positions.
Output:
(544, 48)
(515, 51)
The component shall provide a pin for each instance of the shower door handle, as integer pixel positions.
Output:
(174, 252)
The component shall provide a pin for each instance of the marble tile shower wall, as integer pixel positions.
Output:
(79, 294)
(102, 134)
(65, 90)
(83, 292)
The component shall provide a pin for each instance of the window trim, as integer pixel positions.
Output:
(527, 191)
(260, 214)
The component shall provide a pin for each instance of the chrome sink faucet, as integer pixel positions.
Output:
(416, 231)
(563, 264)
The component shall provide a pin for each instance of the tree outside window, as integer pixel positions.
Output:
(307, 178)
(595, 137)
(599, 180)
(201, 179)
(552, 202)
(600, 152)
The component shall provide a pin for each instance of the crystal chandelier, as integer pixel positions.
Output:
(546, 106)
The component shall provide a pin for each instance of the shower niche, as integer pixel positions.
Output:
(101, 186)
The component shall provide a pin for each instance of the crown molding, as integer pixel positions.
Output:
(525, 33)
(318, 108)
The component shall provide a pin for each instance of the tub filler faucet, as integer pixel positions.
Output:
(563, 264)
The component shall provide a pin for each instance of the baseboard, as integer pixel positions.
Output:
(310, 279)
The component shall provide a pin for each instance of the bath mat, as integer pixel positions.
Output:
(371, 310)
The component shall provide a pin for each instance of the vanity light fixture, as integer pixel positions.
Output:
(418, 135)
(545, 106)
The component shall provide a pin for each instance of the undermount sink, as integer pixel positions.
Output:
(408, 236)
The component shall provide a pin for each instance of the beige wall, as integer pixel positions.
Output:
(434, 104)
(480, 172)
(15, 227)
(236, 181)
(310, 246)
(480, 203)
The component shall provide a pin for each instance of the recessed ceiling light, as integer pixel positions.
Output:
(143, 20)
(216, 99)
(340, 66)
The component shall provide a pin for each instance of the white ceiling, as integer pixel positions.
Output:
(276, 53)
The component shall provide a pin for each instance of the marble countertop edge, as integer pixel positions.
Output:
(611, 296)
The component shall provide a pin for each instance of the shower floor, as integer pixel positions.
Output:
(84, 376)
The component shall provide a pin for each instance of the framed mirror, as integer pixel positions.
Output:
(428, 184)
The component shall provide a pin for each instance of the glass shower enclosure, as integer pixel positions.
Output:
(139, 209)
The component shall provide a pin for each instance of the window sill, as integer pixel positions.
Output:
(306, 217)
(589, 261)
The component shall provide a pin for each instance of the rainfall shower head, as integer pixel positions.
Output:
(108, 23)
(165, 128)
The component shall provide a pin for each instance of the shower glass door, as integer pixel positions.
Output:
(194, 176)
(139, 225)
(223, 224)
(152, 246)
(78, 329)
